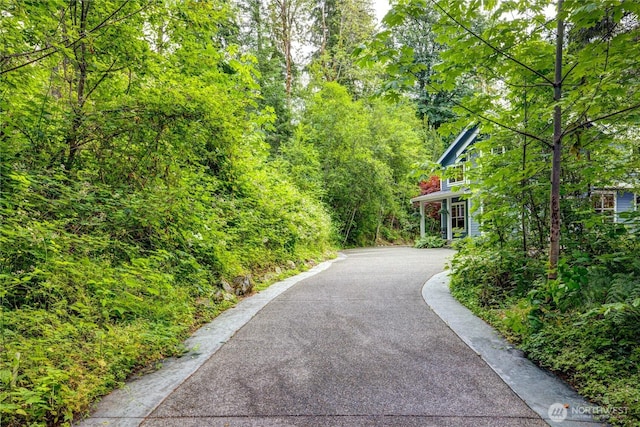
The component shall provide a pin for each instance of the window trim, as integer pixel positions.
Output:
(601, 209)
(454, 205)
(498, 150)
(450, 181)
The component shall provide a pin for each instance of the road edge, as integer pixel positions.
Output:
(130, 405)
(538, 388)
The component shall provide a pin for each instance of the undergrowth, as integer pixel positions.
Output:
(430, 242)
(584, 326)
(99, 282)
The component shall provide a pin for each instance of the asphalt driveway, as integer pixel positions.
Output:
(354, 345)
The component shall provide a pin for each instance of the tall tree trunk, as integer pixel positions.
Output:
(524, 181)
(286, 21)
(346, 234)
(324, 29)
(80, 53)
(554, 246)
(523, 185)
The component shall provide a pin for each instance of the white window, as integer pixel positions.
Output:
(456, 174)
(604, 202)
(458, 216)
(498, 150)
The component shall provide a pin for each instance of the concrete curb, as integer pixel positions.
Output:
(538, 388)
(128, 406)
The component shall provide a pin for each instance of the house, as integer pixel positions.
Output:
(615, 200)
(455, 217)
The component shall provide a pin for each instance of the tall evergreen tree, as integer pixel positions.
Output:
(434, 107)
(258, 37)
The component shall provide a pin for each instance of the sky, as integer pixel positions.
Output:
(381, 7)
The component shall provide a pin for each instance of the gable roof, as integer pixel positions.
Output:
(459, 145)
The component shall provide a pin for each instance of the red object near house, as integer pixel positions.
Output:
(431, 185)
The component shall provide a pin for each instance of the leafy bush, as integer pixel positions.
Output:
(583, 325)
(430, 242)
(102, 281)
(492, 274)
(602, 368)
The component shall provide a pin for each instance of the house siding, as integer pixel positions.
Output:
(474, 226)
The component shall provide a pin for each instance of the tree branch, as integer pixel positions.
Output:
(494, 48)
(498, 77)
(104, 21)
(6, 58)
(571, 129)
(569, 72)
(24, 64)
(101, 79)
(599, 85)
(512, 129)
(73, 43)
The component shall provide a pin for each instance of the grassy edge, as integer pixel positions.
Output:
(80, 365)
(266, 278)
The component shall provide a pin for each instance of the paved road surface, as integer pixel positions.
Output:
(355, 345)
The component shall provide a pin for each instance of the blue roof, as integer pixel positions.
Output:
(459, 145)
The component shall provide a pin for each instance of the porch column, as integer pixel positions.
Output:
(449, 223)
(422, 222)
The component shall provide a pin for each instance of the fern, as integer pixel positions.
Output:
(623, 305)
(597, 287)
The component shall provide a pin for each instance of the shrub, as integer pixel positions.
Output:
(492, 274)
(100, 280)
(583, 325)
(430, 242)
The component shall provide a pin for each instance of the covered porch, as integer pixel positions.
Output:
(455, 220)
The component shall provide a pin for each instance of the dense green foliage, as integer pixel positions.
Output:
(134, 181)
(149, 161)
(583, 323)
(410, 51)
(363, 152)
(430, 242)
